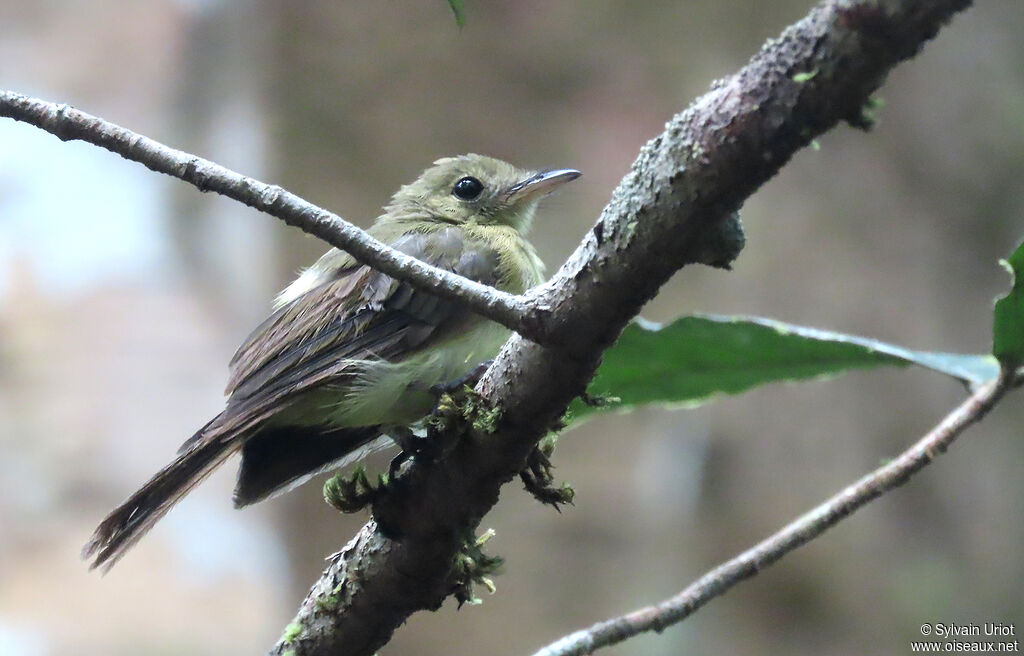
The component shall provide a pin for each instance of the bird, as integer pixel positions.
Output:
(350, 354)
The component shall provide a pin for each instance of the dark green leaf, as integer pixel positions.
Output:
(459, 11)
(1008, 326)
(697, 357)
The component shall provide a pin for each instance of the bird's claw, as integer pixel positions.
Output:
(468, 380)
(412, 446)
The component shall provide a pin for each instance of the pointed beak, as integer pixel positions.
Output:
(540, 184)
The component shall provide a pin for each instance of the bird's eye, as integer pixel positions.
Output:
(467, 188)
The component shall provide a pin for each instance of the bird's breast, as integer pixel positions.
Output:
(399, 392)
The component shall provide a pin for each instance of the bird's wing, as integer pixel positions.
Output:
(356, 314)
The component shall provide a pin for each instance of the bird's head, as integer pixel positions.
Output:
(474, 188)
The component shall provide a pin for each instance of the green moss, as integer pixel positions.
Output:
(473, 567)
(486, 420)
(538, 476)
(330, 600)
(327, 602)
(484, 537)
(801, 78)
(352, 492)
(291, 632)
(867, 114)
(455, 412)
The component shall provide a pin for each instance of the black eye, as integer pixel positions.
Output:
(467, 188)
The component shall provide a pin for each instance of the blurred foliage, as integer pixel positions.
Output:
(459, 11)
(1008, 330)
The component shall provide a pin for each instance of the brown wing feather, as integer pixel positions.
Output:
(358, 310)
(357, 314)
(297, 322)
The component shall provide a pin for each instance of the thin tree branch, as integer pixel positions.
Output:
(676, 207)
(68, 124)
(797, 533)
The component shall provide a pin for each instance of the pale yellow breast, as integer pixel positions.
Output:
(399, 392)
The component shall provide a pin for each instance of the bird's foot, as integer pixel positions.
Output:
(469, 380)
(538, 477)
(456, 405)
(412, 447)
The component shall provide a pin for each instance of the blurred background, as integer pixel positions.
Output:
(123, 295)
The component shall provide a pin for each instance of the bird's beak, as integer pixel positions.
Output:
(540, 184)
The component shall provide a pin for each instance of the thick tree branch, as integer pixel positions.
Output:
(794, 535)
(674, 208)
(69, 124)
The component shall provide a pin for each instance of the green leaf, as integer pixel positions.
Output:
(695, 358)
(1008, 325)
(459, 11)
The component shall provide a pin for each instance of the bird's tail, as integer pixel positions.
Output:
(132, 519)
(275, 460)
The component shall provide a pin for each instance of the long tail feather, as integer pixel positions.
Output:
(132, 519)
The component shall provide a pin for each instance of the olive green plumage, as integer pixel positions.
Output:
(350, 352)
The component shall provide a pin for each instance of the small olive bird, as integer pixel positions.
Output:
(351, 353)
